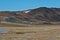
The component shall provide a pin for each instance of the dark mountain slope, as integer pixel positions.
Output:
(40, 15)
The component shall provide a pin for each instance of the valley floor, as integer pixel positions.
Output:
(30, 32)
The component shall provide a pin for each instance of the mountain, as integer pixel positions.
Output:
(41, 15)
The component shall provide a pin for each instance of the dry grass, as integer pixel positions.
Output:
(32, 32)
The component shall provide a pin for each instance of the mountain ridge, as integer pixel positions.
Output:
(41, 15)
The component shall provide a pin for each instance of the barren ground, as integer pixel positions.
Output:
(30, 32)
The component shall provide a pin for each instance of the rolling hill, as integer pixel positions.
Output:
(41, 15)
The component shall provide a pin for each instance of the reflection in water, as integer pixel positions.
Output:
(3, 30)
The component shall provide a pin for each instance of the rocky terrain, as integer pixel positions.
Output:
(15, 25)
(42, 15)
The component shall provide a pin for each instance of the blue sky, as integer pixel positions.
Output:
(13, 5)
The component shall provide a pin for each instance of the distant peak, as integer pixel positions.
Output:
(43, 7)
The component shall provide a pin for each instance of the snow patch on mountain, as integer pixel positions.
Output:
(27, 11)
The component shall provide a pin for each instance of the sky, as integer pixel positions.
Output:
(18, 5)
